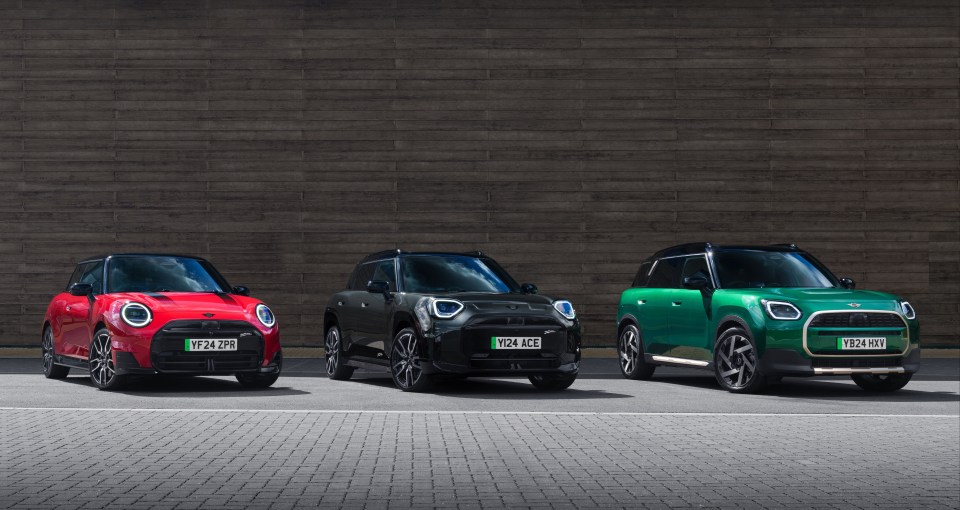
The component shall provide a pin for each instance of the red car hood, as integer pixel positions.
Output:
(191, 303)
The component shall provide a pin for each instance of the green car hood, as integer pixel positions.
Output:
(814, 299)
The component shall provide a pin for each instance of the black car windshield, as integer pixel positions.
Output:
(429, 274)
(162, 274)
(745, 269)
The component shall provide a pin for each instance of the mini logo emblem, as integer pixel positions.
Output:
(853, 305)
(208, 315)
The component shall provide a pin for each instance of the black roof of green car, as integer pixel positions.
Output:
(693, 248)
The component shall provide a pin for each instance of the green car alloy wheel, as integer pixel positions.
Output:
(756, 314)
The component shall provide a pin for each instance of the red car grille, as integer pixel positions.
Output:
(168, 355)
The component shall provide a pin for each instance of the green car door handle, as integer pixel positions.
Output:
(677, 303)
(641, 301)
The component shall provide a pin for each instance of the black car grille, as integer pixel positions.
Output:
(857, 320)
(857, 362)
(513, 320)
(168, 355)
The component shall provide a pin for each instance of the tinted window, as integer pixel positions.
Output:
(640, 280)
(755, 269)
(363, 276)
(93, 274)
(666, 274)
(693, 265)
(428, 274)
(385, 271)
(162, 274)
(75, 277)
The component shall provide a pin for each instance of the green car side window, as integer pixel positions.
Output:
(666, 274)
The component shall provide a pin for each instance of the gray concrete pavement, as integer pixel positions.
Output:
(675, 441)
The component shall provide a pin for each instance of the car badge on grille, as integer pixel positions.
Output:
(208, 315)
(853, 305)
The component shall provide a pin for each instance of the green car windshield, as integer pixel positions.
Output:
(752, 269)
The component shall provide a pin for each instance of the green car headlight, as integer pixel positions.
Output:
(781, 310)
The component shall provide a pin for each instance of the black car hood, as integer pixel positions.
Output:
(503, 303)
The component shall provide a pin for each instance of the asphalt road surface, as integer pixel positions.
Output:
(675, 441)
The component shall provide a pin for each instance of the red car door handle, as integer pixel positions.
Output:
(68, 308)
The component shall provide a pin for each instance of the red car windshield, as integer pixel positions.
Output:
(161, 274)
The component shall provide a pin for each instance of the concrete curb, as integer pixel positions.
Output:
(317, 352)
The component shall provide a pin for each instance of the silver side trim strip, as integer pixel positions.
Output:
(680, 361)
(851, 371)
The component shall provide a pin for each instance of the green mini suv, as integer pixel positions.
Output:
(756, 314)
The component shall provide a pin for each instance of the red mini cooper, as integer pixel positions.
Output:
(129, 314)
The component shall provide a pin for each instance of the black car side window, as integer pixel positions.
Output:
(364, 275)
(386, 271)
(666, 275)
(93, 274)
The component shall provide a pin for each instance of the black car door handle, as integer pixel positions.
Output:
(364, 305)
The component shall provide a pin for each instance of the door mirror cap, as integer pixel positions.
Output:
(378, 287)
(696, 281)
(240, 290)
(848, 283)
(529, 288)
(81, 289)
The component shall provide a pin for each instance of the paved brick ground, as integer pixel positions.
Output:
(264, 459)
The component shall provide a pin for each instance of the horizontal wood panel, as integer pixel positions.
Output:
(285, 140)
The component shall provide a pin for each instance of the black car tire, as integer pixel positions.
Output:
(884, 383)
(50, 369)
(333, 355)
(736, 364)
(552, 382)
(405, 365)
(103, 369)
(633, 364)
(260, 381)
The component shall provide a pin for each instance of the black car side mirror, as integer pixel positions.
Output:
(848, 283)
(529, 288)
(379, 287)
(240, 290)
(81, 289)
(696, 281)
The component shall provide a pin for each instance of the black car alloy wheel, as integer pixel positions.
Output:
(405, 362)
(333, 354)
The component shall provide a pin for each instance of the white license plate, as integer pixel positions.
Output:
(209, 344)
(514, 342)
(873, 343)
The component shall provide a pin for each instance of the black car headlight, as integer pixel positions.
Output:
(781, 310)
(136, 314)
(565, 308)
(429, 308)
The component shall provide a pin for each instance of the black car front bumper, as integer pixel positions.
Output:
(468, 349)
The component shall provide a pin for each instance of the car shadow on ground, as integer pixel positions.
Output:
(190, 387)
(505, 389)
(816, 389)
